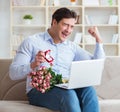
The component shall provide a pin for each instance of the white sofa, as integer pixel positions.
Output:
(13, 97)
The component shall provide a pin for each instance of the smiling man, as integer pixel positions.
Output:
(62, 29)
(31, 54)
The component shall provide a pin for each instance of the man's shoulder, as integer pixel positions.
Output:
(36, 36)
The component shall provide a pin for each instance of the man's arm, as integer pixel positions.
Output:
(99, 51)
(20, 66)
(82, 54)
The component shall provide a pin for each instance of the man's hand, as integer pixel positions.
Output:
(39, 58)
(95, 33)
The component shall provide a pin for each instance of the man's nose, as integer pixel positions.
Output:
(69, 29)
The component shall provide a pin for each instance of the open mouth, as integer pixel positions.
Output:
(64, 34)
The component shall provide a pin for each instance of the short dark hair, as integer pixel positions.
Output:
(61, 13)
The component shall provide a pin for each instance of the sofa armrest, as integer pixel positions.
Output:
(9, 89)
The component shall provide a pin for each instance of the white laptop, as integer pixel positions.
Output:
(84, 73)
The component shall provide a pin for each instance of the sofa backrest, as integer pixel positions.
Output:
(16, 90)
(9, 89)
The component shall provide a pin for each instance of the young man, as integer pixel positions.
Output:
(31, 54)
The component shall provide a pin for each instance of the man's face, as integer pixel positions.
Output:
(62, 29)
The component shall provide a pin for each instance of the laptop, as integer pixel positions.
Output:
(84, 73)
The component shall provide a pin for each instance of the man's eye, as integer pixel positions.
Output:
(65, 24)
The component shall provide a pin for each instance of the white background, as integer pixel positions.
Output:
(4, 28)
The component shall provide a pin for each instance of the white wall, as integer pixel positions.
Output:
(4, 28)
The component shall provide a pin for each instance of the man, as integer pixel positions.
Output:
(30, 55)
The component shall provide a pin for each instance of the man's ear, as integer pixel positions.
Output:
(54, 22)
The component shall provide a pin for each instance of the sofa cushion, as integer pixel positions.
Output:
(23, 106)
(110, 105)
(110, 87)
(20, 106)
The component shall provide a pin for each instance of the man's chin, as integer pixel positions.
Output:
(63, 39)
